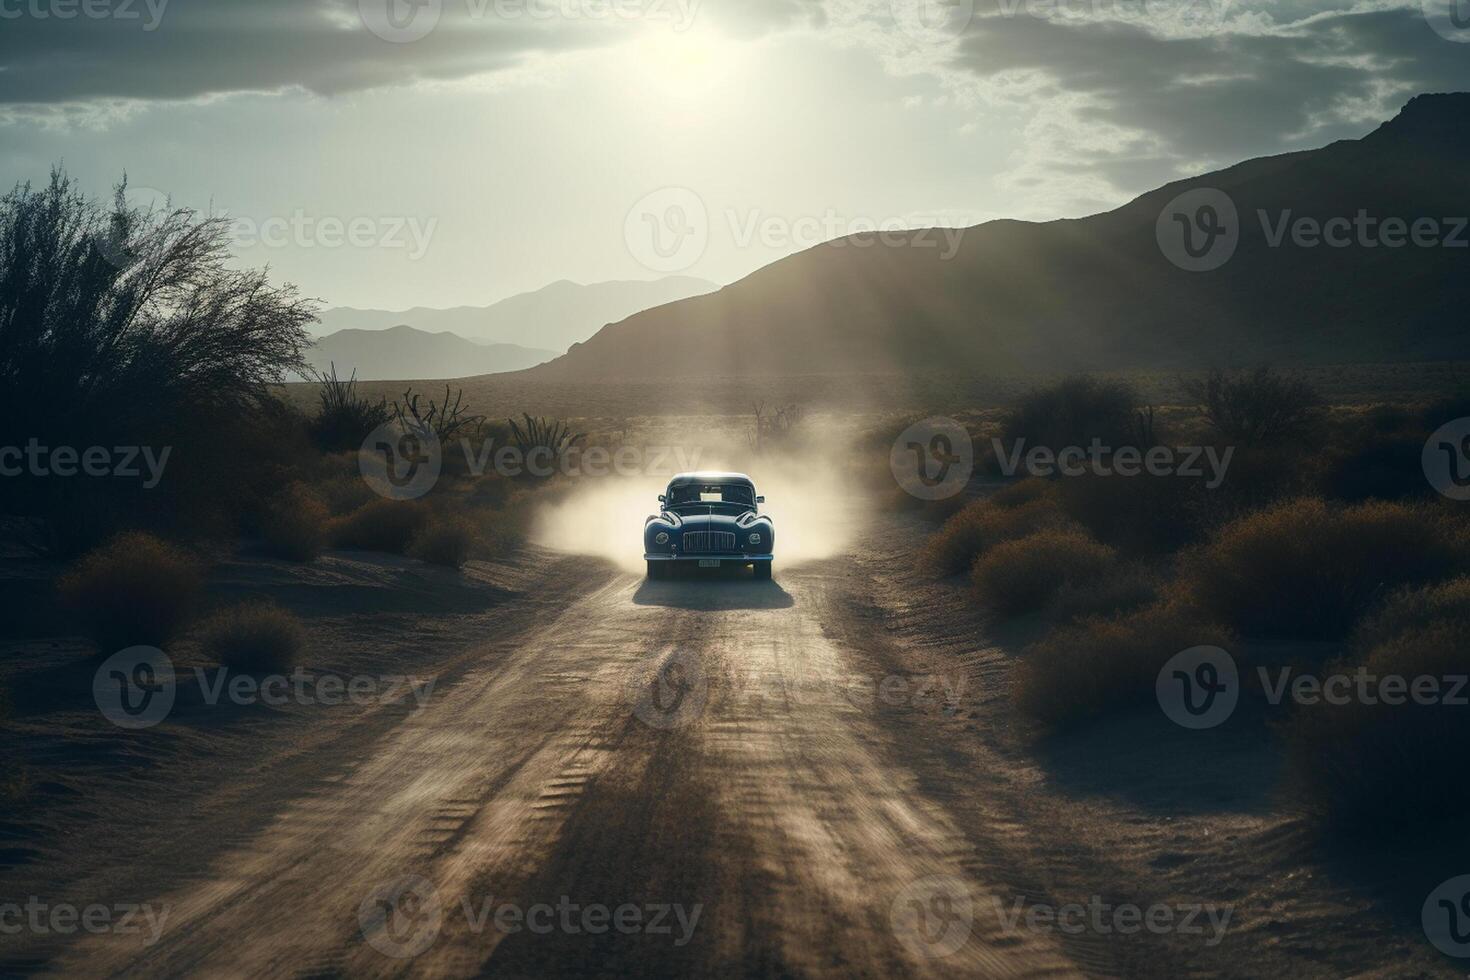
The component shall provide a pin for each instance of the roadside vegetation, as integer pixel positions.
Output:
(1323, 550)
(253, 638)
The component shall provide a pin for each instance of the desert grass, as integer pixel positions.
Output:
(1307, 570)
(253, 638)
(1023, 574)
(136, 590)
(1103, 666)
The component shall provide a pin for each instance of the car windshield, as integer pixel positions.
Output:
(706, 498)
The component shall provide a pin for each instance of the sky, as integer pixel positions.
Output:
(398, 153)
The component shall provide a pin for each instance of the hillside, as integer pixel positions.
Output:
(403, 353)
(552, 318)
(1098, 292)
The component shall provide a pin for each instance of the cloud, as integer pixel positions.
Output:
(1118, 99)
(109, 50)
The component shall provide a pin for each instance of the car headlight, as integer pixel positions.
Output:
(661, 538)
(755, 538)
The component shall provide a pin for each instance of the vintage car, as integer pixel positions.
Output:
(709, 520)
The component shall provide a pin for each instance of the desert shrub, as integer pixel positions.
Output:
(448, 419)
(1409, 609)
(1388, 767)
(775, 426)
(1104, 666)
(121, 326)
(445, 541)
(1073, 413)
(134, 591)
(1255, 407)
(1258, 477)
(343, 493)
(254, 638)
(344, 419)
(1024, 574)
(1139, 515)
(380, 525)
(1303, 570)
(1124, 590)
(983, 524)
(1022, 492)
(1383, 468)
(294, 523)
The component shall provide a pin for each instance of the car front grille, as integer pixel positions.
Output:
(708, 542)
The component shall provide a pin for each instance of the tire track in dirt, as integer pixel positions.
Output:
(782, 809)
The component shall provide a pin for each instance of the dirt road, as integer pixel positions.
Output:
(805, 777)
(689, 778)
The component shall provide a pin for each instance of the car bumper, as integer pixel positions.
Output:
(727, 559)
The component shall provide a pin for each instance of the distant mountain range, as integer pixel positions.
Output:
(1103, 292)
(552, 318)
(402, 353)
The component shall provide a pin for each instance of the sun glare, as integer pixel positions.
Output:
(685, 65)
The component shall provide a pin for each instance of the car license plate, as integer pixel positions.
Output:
(709, 563)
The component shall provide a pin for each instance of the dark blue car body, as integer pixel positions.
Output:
(709, 520)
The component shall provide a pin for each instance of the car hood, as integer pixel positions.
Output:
(710, 522)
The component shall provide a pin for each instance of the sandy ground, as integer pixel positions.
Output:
(815, 776)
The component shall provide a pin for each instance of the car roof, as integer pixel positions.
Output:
(710, 476)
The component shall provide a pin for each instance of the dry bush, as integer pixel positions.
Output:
(1406, 610)
(1255, 407)
(446, 541)
(1023, 492)
(134, 591)
(1024, 574)
(1073, 413)
(1303, 570)
(343, 419)
(253, 638)
(984, 524)
(343, 493)
(1105, 666)
(1123, 590)
(1379, 468)
(1388, 767)
(294, 524)
(380, 525)
(1138, 515)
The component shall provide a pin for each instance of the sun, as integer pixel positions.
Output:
(683, 65)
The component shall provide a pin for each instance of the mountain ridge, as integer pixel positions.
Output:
(1099, 292)
(405, 353)
(553, 317)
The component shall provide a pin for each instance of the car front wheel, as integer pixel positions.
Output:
(762, 570)
(657, 570)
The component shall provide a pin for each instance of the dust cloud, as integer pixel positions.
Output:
(810, 496)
